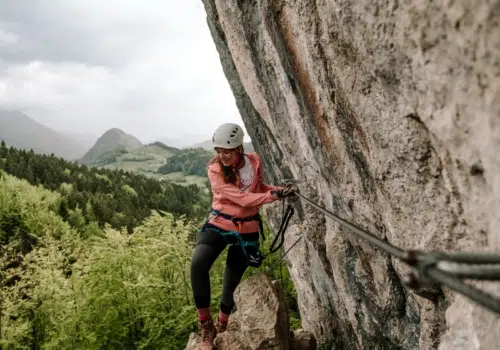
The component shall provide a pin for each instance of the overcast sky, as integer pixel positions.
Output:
(149, 67)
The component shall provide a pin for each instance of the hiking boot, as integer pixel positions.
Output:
(208, 333)
(220, 326)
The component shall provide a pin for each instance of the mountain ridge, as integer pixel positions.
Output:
(19, 130)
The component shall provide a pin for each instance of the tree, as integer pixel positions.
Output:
(79, 286)
(107, 190)
(3, 149)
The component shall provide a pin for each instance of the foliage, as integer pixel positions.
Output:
(116, 197)
(107, 290)
(137, 158)
(27, 217)
(146, 160)
(68, 283)
(109, 156)
(135, 288)
(191, 161)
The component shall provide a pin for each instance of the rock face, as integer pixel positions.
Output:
(261, 321)
(388, 111)
(303, 340)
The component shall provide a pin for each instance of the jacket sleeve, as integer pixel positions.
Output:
(233, 193)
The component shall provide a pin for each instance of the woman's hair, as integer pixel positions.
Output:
(230, 172)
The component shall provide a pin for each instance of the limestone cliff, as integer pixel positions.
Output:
(388, 111)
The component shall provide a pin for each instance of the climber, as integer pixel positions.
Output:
(236, 179)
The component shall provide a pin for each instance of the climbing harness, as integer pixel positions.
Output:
(238, 221)
(434, 267)
(255, 256)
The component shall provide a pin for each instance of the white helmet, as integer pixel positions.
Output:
(228, 136)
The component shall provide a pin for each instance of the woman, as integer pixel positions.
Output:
(238, 190)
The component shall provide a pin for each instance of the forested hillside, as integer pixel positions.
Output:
(72, 285)
(191, 161)
(76, 286)
(115, 197)
(99, 259)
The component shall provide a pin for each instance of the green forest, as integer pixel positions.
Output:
(99, 259)
(109, 157)
(191, 161)
(115, 197)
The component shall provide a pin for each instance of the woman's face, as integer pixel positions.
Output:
(227, 156)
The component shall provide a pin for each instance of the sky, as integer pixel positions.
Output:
(148, 67)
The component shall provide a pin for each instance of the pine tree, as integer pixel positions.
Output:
(3, 149)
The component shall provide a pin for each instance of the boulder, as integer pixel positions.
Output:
(260, 322)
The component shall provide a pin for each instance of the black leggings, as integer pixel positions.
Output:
(210, 245)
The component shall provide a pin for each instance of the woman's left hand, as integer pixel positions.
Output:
(286, 191)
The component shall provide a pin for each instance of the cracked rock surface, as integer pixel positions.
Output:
(388, 112)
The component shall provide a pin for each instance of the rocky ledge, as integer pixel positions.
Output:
(261, 321)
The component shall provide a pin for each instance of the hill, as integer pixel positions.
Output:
(102, 195)
(161, 162)
(145, 159)
(110, 145)
(21, 131)
(191, 161)
(182, 166)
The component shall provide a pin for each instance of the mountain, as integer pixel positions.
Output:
(145, 159)
(113, 142)
(183, 167)
(20, 131)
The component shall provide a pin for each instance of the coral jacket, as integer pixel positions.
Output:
(230, 200)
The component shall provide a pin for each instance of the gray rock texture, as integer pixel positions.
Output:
(388, 111)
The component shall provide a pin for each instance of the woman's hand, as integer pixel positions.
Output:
(286, 191)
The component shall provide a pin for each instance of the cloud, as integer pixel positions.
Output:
(8, 39)
(149, 67)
